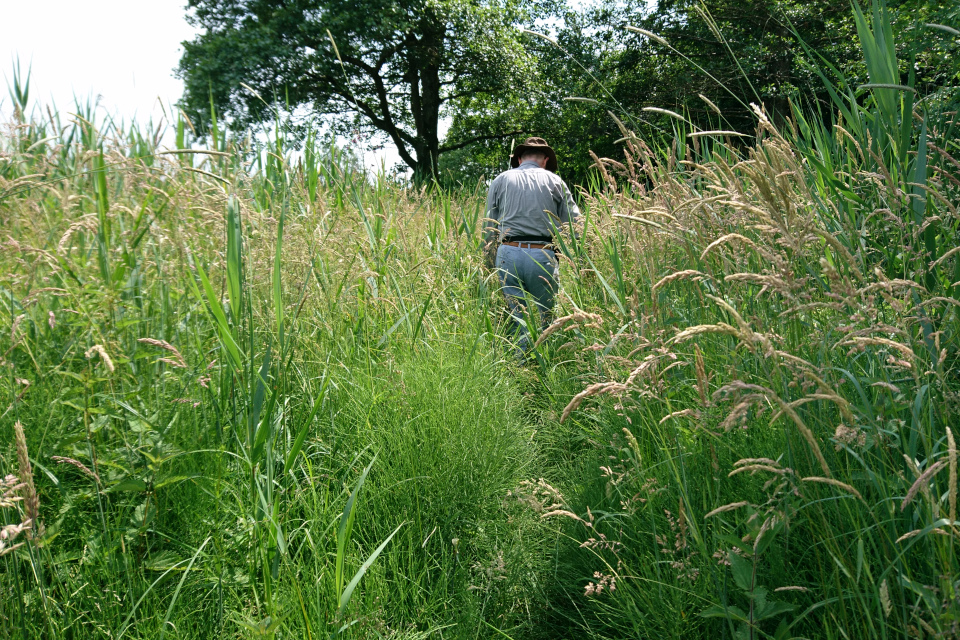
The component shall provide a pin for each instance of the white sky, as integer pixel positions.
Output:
(119, 52)
(123, 51)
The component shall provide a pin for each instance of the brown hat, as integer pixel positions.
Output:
(534, 144)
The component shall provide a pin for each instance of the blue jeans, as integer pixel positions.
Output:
(527, 274)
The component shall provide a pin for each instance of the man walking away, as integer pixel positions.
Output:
(525, 205)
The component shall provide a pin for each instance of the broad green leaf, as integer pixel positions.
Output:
(742, 570)
(730, 613)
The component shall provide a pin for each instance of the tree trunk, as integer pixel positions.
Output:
(424, 79)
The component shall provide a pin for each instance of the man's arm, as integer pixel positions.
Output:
(491, 224)
(567, 209)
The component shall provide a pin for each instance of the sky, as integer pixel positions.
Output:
(121, 52)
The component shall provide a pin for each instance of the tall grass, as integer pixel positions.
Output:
(228, 382)
(786, 382)
(262, 395)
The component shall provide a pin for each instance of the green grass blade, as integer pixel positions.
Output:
(346, 526)
(223, 327)
(234, 256)
(348, 592)
(176, 593)
(277, 280)
(305, 428)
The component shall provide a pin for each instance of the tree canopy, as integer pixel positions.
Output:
(398, 68)
(388, 67)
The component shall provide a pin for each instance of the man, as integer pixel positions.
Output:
(526, 205)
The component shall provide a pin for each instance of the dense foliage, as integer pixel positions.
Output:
(396, 72)
(393, 68)
(708, 61)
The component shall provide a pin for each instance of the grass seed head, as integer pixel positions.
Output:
(952, 493)
(922, 481)
(98, 349)
(31, 501)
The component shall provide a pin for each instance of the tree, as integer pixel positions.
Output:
(390, 67)
(746, 51)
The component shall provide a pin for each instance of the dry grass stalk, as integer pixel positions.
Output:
(727, 507)
(683, 413)
(16, 335)
(785, 409)
(925, 489)
(739, 412)
(687, 273)
(767, 525)
(892, 388)
(653, 37)
(842, 403)
(952, 494)
(9, 533)
(690, 332)
(753, 468)
(596, 389)
(747, 335)
(745, 461)
(632, 441)
(835, 483)
(766, 282)
(591, 320)
(10, 487)
(804, 431)
(922, 481)
(565, 513)
(98, 349)
(163, 344)
(710, 104)
(885, 599)
(611, 183)
(700, 370)
(86, 223)
(926, 627)
(79, 465)
(31, 501)
(916, 532)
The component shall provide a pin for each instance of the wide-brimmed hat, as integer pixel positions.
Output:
(534, 144)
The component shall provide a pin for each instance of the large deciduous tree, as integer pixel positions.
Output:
(393, 67)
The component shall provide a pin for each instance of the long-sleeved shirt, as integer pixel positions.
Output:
(529, 202)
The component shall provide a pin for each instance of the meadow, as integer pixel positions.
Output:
(259, 393)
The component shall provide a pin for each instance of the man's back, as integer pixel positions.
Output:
(529, 201)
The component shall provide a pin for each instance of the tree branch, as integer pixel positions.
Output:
(468, 141)
(386, 117)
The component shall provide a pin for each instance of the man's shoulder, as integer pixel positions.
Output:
(503, 177)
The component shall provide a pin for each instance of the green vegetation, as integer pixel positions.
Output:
(391, 68)
(259, 395)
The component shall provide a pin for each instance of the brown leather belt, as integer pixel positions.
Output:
(529, 245)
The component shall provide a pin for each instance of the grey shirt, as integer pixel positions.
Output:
(522, 202)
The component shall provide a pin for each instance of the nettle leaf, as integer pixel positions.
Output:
(742, 570)
(772, 609)
(143, 515)
(162, 561)
(730, 613)
(759, 597)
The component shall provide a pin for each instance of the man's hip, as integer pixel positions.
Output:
(528, 270)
